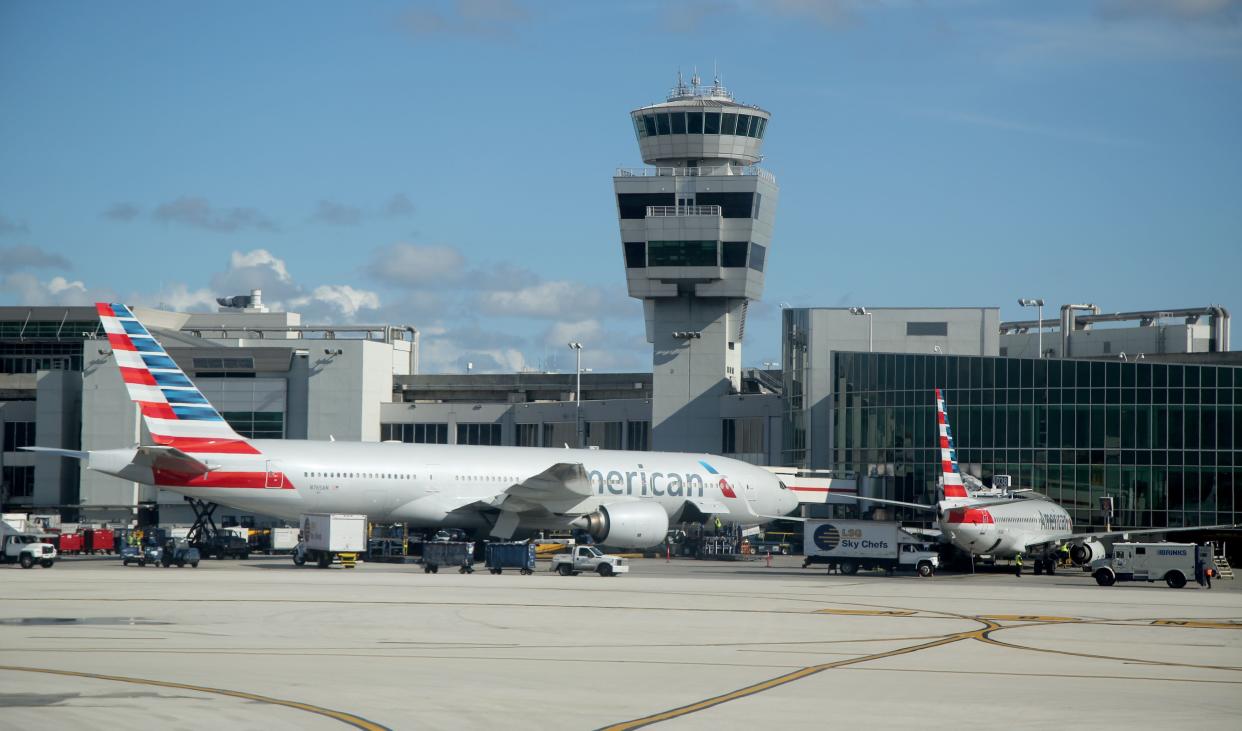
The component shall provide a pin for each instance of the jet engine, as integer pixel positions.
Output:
(1089, 550)
(627, 525)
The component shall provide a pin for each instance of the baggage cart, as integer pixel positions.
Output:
(500, 556)
(448, 553)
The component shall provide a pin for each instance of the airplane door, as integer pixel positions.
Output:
(273, 478)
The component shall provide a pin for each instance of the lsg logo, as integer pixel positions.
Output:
(827, 537)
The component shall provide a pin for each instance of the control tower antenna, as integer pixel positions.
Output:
(696, 229)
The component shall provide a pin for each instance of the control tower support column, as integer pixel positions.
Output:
(696, 231)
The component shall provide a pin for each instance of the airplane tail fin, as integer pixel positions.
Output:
(174, 410)
(950, 474)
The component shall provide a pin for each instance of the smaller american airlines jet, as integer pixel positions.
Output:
(1004, 525)
(624, 499)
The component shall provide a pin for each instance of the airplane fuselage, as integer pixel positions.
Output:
(1005, 530)
(424, 485)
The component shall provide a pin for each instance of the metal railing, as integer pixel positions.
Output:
(696, 172)
(665, 211)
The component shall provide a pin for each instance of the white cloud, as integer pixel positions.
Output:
(181, 298)
(340, 298)
(28, 290)
(199, 213)
(554, 299)
(13, 258)
(408, 265)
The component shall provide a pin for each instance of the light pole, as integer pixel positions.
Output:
(1039, 329)
(862, 312)
(577, 348)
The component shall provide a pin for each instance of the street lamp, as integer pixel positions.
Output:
(862, 312)
(1039, 305)
(577, 348)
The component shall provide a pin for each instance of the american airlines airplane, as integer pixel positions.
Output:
(1006, 524)
(624, 499)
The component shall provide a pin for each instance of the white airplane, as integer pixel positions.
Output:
(624, 499)
(1005, 524)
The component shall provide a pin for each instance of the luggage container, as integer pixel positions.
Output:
(70, 543)
(500, 556)
(99, 540)
(448, 553)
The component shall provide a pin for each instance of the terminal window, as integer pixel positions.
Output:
(18, 481)
(734, 254)
(757, 254)
(479, 434)
(415, 433)
(257, 424)
(732, 205)
(927, 328)
(634, 205)
(635, 254)
(681, 254)
(18, 434)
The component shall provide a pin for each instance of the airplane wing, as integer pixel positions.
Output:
(1077, 537)
(560, 490)
(70, 453)
(708, 506)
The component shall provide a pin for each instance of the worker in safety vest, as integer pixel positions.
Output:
(1208, 573)
(1017, 564)
(1063, 554)
(719, 526)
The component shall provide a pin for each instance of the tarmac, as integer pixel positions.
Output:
(677, 645)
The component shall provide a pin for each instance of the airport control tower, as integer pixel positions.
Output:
(696, 230)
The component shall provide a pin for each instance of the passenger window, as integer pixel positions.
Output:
(694, 123)
(679, 123)
(728, 124)
(711, 123)
(662, 124)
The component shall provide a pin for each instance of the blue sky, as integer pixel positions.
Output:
(448, 164)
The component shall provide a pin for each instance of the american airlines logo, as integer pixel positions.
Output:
(642, 482)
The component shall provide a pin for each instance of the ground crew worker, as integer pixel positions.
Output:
(1017, 563)
(1064, 554)
(1208, 574)
(719, 526)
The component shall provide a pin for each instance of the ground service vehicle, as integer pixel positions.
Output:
(26, 549)
(1174, 563)
(326, 536)
(179, 553)
(225, 545)
(448, 553)
(867, 544)
(588, 558)
(501, 556)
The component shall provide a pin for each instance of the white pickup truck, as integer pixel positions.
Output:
(25, 548)
(588, 558)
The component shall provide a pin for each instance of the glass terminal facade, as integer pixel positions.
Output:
(1163, 439)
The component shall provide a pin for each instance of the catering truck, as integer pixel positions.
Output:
(328, 536)
(1172, 563)
(851, 545)
(26, 549)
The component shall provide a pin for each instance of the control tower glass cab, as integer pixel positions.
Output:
(696, 232)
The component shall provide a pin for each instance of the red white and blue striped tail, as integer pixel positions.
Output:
(176, 413)
(950, 475)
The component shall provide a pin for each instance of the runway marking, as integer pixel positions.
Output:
(1028, 618)
(990, 673)
(795, 675)
(868, 612)
(346, 718)
(1196, 624)
(987, 638)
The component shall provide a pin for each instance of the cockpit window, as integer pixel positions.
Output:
(783, 485)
